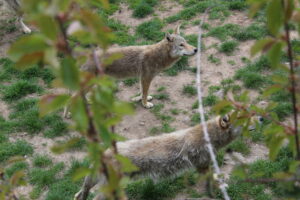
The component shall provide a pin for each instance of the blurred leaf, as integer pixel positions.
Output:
(48, 26)
(289, 8)
(274, 16)
(70, 73)
(274, 54)
(29, 60)
(27, 44)
(15, 159)
(261, 45)
(272, 89)
(223, 107)
(274, 146)
(126, 164)
(80, 173)
(79, 114)
(52, 102)
(16, 177)
(61, 148)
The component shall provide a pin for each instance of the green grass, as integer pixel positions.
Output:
(18, 148)
(189, 12)
(224, 32)
(228, 47)
(19, 89)
(211, 58)
(252, 32)
(237, 5)
(175, 111)
(25, 118)
(210, 100)
(146, 189)
(142, 10)
(45, 177)
(18, 166)
(239, 189)
(239, 145)
(161, 96)
(42, 161)
(150, 30)
(161, 88)
(251, 75)
(122, 37)
(189, 90)
(179, 66)
(9, 73)
(130, 81)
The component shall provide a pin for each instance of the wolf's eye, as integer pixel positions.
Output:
(260, 119)
(181, 44)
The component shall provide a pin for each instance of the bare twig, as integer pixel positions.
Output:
(293, 83)
(222, 184)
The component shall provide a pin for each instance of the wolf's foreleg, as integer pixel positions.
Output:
(145, 84)
(89, 183)
(25, 28)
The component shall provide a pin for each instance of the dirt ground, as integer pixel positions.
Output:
(139, 124)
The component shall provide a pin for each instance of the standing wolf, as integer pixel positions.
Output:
(169, 154)
(145, 61)
(15, 6)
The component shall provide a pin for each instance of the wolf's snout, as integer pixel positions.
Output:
(195, 50)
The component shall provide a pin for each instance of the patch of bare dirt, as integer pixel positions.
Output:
(4, 110)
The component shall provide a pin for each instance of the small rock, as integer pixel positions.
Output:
(142, 123)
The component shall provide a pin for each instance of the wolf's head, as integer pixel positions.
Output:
(179, 46)
(229, 129)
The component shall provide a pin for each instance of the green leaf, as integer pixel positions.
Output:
(126, 164)
(80, 173)
(70, 73)
(52, 102)
(48, 26)
(79, 114)
(223, 107)
(274, 16)
(274, 54)
(274, 146)
(271, 90)
(27, 44)
(29, 60)
(261, 45)
(61, 148)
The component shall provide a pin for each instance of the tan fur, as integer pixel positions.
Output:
(15, 6)
(144, 61)
(169, 154)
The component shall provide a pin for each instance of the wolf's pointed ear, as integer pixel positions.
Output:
(177, 30)
(169, 37)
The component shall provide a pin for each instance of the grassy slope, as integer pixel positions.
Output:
(17, 89)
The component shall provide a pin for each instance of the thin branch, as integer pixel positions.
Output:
(293, 83)
(222, 184)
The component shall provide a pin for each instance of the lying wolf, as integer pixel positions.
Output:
(15, 6)
(145, 61)
(169, 154)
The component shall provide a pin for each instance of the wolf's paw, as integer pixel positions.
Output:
(148, 105)
(26, 30)
(77, 196)
(138, 98)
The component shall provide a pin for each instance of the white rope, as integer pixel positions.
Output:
(217, 172)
